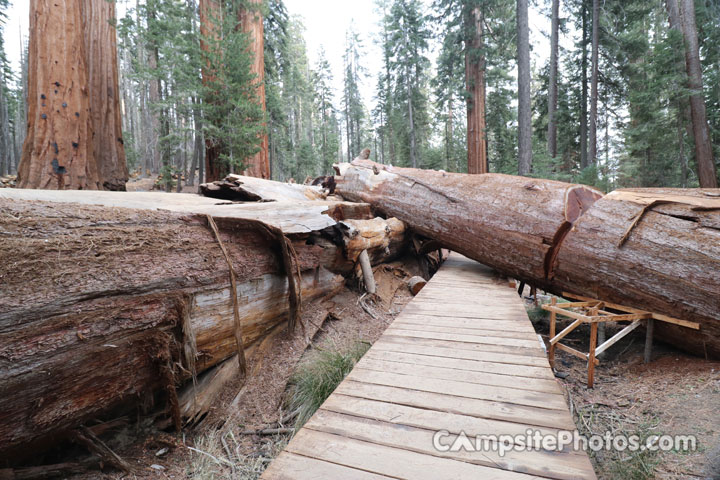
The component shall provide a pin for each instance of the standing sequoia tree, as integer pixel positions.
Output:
(72, 114)
(58, 152)
(105, 115)
(251, 21)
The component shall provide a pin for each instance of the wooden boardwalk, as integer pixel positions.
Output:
(461, 357)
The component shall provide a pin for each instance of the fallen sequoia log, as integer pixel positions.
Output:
(242, 188)
(652, 249)
(102, 307)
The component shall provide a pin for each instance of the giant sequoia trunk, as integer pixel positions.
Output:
(58, 152)
(251, 21)
(652, 249)
(210, 32)
(120, 305)
(101, 49)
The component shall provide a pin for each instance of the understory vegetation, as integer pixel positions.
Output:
(317, 377)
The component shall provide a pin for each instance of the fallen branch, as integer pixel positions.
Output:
(88, 439)
(268, 431)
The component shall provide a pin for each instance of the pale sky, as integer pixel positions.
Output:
(326, 22)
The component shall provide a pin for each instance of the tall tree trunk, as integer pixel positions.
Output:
(21, 114)
(210, 24)
(449, 133)
(5, 140)
(58, 150)
(411, 119)
(584, 91)
(102, 61)
(348, 128)
(592, 135)
(524, 114)
(251, 21)
(154, 98)
(707, 173)
(683, 104)
(553, 86)
(475, 85)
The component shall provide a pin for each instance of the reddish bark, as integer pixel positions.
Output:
(565, 237)
(210, 29)
(58, 152)
(251, 21)
(101, 49)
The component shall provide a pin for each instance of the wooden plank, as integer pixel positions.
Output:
(444, 373)
(557, 465)
(447, 349)
(431, 419)
(616, 338)
(385, 460)
(572, 351)
(480, 315)
(591, 355)
(656, 316)
(461, 364)
(427, 326)
(522, 352)
(461, 389)
(447, 402)
(457, 337)
(612, 317)
(289, 466)
(649, 329)
(566, 331)
(505, 323)
(566, 313)
(487, 304)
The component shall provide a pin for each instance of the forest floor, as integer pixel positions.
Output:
(674, 394)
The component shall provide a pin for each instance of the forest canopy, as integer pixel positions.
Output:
(621, 93)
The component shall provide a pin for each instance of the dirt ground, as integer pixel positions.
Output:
(674, 394)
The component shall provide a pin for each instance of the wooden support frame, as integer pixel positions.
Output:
(622, 308)
(593, 312)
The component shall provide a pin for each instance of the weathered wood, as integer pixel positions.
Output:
(415, 284)
(382, 239)
(118, 304)
(290, 216)
(367, 272)
(243, 188)
(649, 329)
(564, 237)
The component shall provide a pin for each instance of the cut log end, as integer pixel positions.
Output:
(415, 284)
